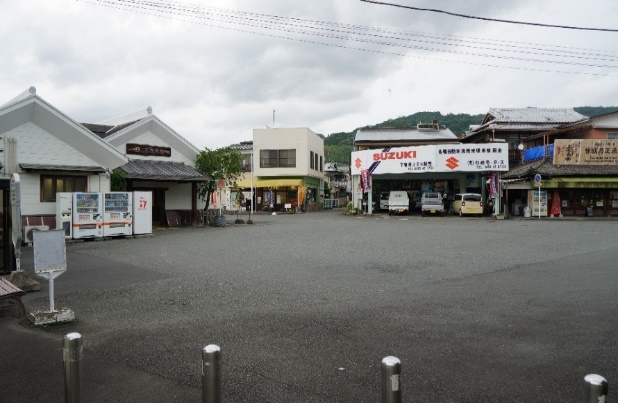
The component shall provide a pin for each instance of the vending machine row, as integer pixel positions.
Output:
(107, 214)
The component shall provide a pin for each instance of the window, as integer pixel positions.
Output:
(287, 158)
(321, 164)
(277, 158)
(315, 162)
(612, 136)
(311, 160)
(50, 185)
(245, 164)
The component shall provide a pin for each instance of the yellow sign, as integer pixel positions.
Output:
(585, 152)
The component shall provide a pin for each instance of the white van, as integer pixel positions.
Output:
(384, 200)
(398, 202)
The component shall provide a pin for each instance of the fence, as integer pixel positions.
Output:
(595, 386)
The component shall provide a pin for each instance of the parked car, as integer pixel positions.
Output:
(398, 202)
(384, 200)
(467, 204)
(432, 203)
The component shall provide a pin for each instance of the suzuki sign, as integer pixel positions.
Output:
(481, 157)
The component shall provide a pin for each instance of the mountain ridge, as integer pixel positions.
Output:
(338, 146)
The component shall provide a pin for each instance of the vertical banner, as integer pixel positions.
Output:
(365, 180)
(556, 204)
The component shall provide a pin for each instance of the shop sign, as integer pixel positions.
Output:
(585, 152)
(145, 149)
(478, 157)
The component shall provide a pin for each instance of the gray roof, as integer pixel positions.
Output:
(106, 130)
(546, 168)
(161, 170)
(534, 115)
(403, 134)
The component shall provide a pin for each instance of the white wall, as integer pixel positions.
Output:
(36, 146)
(302, 140)
(151, 139)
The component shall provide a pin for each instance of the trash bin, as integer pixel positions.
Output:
(527, 212)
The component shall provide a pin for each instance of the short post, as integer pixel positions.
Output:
(72, 351)
(211, 374)
(391, 380)
(596, 389)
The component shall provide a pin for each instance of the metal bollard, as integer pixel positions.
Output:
(211, 374)
(391, 380)
(596, 389)
(72, 352)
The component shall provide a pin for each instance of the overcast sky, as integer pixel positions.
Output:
(215, 70)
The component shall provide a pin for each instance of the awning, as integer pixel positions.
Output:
(61, 168)
(610, 182)
(268, 183)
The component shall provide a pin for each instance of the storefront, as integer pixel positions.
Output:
(448, 169)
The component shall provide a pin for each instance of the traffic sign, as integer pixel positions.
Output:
(537, 179)
(220, 183)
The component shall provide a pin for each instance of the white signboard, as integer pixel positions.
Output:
(481, 157)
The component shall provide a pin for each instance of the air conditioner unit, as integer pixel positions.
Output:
(28, 230)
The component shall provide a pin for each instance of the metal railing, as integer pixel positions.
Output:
(595, 386)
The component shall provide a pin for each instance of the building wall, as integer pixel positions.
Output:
(151, 139)
(302, 140)
(35, 145)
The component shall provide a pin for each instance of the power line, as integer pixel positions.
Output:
(490, 19)
(344, 32)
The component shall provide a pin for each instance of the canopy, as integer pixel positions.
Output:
(269, 182)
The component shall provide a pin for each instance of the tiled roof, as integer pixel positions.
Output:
(107, 130)
(161, 170)
(535, 115)
(61, 168)
(545, 167)
(99, 130)
(242, 146)
(398, 134)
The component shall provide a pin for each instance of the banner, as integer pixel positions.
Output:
(556, 205)
(365, 180)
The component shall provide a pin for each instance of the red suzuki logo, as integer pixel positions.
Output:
(358, 163)
(452, 163)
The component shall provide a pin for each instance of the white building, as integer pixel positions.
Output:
(54, 153)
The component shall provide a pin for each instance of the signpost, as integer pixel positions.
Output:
(16, 233)
(50, 261)
(537, 181)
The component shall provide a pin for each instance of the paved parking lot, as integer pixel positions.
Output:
(305, 306)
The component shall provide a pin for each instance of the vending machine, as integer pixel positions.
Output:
(117, 213)
(142, 213)
(87, 215)
(64, 216)
(537, 202)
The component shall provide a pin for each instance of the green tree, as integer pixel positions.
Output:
(118, 181)
(223, 163)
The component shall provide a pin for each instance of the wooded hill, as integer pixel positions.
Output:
(338, 146)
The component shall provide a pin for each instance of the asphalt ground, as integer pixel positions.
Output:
(305, 306)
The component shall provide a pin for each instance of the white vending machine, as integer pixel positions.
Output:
(537, 202)
(64, 216)
(117, 213)
(87, 215)
(142, 213)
